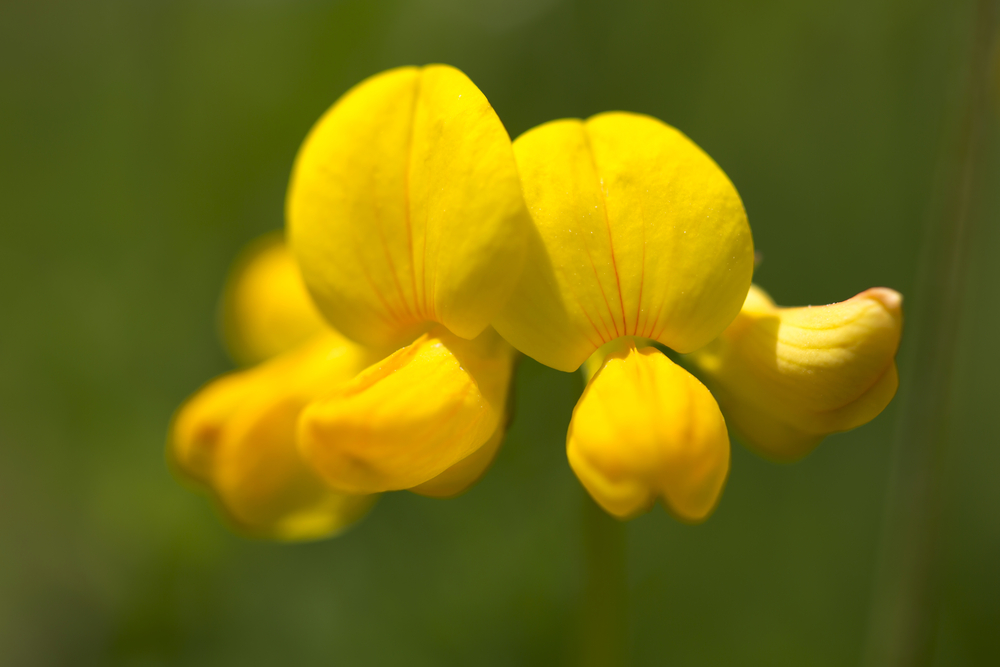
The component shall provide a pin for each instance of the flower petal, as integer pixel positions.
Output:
(646, 428)
(266, 486)
(411, 417)
(236, 437)
(265, 306)
(788, 377)
(405, 208)
(458, 478)
(637, 233)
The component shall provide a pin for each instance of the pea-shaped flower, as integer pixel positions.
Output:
(407, 221)
(406, 216)
(639, 236)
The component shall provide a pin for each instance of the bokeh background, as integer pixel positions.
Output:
(143, 142)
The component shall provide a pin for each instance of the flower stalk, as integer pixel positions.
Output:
(903, 624)
(605, 609)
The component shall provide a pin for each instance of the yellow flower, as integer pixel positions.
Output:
(236, 436)
(406, 216)
(408, 224)
(639, 236)
(788, 377)
(266, 309)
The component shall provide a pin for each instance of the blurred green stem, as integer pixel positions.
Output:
(903, 623)
(605, 606)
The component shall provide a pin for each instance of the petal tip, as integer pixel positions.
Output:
(890, 298)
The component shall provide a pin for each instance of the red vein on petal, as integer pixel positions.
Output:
(607, 305)
(652, 323)
(611, 241)
(583, 310)
(642, 276)
(388, 257)
(391, 316)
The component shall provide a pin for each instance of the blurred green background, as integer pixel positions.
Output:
(143, 142)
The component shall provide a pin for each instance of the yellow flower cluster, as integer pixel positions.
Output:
(425, 250)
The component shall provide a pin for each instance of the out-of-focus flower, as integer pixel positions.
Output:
(639, 236)
(265, 307)
(407, 219)
(236, 436)
(788, 377)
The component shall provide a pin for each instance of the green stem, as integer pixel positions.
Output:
(605, 607)
(904, 612)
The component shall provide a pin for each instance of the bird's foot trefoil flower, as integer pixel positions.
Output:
(640, 237)
(423, 247)
(407, 222)
(406, 216)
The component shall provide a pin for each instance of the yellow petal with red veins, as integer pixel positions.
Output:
(405, 208)
(236, 437)
(788, 377)
(637, 233)
(265, 306)
(412, 416)
(645, 429)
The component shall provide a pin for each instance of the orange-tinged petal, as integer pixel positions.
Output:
(788, 377)
(645, 429)
(236, 437)
(412, 416)
(266, 309)
(637, 233)
(405, 208)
